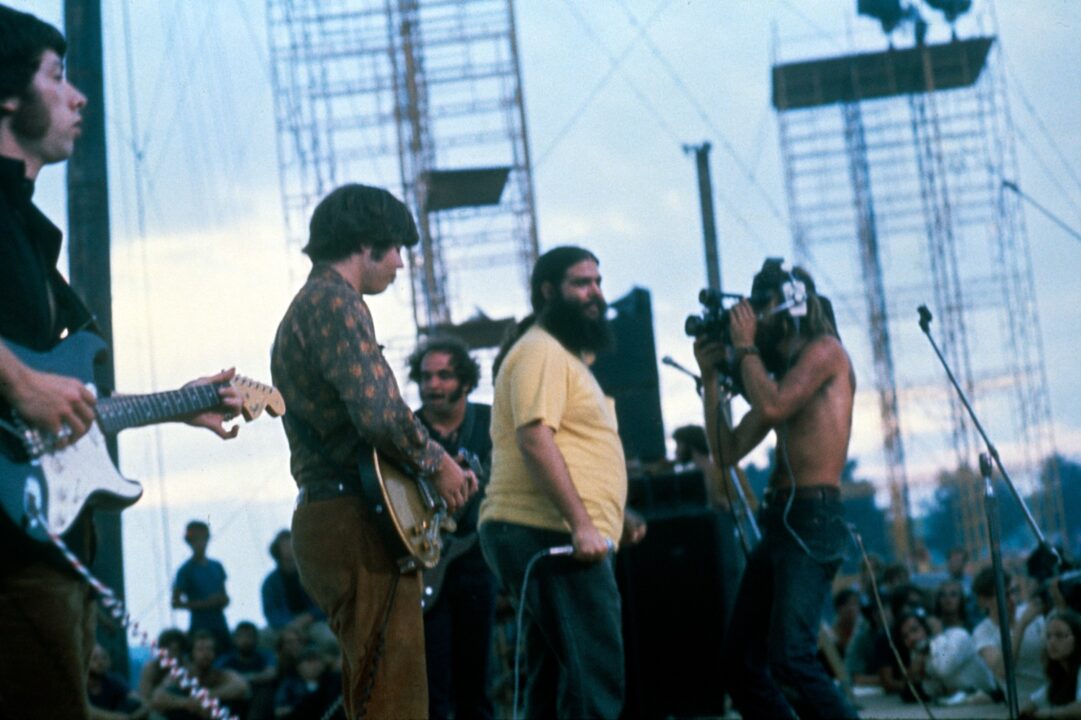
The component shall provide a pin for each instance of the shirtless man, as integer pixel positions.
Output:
(798, 380)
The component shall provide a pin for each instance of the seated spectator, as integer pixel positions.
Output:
(173, 641)
(309, 693)
(950, 605)
(110, 697)
(1026, 632)
(285, 602)
(904, 599)
(256, 665)
(228, 687)
(942, 662)
(894, 576)
(1060, 697)
(846, 609)
(291, 643)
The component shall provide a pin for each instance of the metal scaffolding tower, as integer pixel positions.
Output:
(894, 169)
(421, 95)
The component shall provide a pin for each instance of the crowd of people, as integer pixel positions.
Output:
(939, 639)
(288, 667)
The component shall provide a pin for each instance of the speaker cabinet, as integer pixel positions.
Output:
(677, 587)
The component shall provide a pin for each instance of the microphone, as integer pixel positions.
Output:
(569, 549)
(925, 318)
(670, 362)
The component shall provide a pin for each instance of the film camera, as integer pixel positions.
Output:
(714, 324)
(773, 280)
(714, 321)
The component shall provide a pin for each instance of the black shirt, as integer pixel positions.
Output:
(474, 435)
(36, 306)
(37, 302)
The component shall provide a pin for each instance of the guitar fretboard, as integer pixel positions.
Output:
(127, 411)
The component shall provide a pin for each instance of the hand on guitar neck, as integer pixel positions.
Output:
(231, 405)
(64, 407)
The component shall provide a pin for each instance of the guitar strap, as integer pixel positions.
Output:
(73, 312)
(465, 435)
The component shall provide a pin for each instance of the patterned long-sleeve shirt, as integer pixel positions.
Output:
(333, 377)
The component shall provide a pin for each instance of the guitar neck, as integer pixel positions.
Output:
(128, 411)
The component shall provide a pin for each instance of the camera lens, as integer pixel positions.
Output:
(693, 326)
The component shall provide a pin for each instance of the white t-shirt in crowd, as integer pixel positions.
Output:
(954, 664)
(1029, 662)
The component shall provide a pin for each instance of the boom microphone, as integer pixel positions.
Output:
(670, 362)
(925, 318)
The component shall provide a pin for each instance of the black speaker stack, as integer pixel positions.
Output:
(677, 586)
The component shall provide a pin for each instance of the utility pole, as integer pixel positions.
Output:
(88, 255)
(709, 224)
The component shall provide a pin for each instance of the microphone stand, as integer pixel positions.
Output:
(925, 325)
(991, 509)
(990, 503)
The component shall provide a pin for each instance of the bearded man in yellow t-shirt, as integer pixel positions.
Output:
(559, 480)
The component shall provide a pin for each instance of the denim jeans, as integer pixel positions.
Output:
(572, 623)
(771, 664)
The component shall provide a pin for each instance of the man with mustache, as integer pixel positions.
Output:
(458, 624)
(799, 382)
(559, 479)
(47, 612)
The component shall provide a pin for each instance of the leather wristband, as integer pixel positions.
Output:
(742, 352)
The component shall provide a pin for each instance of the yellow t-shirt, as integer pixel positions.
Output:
(541, 380)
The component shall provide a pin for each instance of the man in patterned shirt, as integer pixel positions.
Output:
(343, 400)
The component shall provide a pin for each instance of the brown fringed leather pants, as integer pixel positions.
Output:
(348, 572)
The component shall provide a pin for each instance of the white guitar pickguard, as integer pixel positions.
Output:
(78, 472)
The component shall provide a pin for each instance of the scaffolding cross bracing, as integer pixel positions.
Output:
(903, 153)
(394, 93)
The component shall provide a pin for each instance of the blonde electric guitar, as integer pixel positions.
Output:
(410, 514)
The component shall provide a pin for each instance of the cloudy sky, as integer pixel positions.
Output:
(613, 89)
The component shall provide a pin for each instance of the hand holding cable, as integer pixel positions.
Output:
(589, 544)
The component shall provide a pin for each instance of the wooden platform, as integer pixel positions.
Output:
(879, 705)
(872, 704)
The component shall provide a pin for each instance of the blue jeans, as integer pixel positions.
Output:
(771, 664)
(572, 623)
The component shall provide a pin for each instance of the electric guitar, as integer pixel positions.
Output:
(410, 514)
(453, 546)
(39, 481)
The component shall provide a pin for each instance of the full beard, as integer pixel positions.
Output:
(575, 330)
